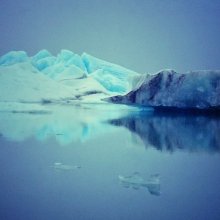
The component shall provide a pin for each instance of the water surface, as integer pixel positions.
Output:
(107, 142)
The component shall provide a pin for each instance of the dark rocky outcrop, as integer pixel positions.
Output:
(169, 89)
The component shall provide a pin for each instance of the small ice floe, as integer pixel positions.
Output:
(65, 167)
(136, 181)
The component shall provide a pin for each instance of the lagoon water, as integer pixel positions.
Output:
(105, 142)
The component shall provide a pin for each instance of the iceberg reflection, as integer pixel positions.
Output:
(64, 123)
(67, 124)
(169, 133)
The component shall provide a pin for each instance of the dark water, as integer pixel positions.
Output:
(106, 143)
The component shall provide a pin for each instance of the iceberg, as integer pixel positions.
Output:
(67, 76)
(199, 90)
(67, 65)
(83, 78)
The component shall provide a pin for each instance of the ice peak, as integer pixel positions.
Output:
(13, 57)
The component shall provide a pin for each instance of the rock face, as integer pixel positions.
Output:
(167, 88)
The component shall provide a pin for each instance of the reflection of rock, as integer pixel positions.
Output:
(136, 181)
(164, 132)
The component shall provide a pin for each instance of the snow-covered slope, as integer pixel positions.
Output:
(21, 82)
(198, 89)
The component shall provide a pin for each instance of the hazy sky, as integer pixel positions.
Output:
(143, 35)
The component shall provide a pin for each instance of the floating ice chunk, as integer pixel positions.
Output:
(65, 167)
(136, 182)
(13, 57)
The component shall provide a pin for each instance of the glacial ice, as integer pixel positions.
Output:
(92, 64)
(13, 57)
(69, 58)
(66, 64)
(67, 67)
(90, 79)
(113, 77)
(167, 88)
(40, 55)
(110, 82)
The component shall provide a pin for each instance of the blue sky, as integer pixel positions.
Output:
(143, 35)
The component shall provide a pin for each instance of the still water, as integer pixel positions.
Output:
(96, 162)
